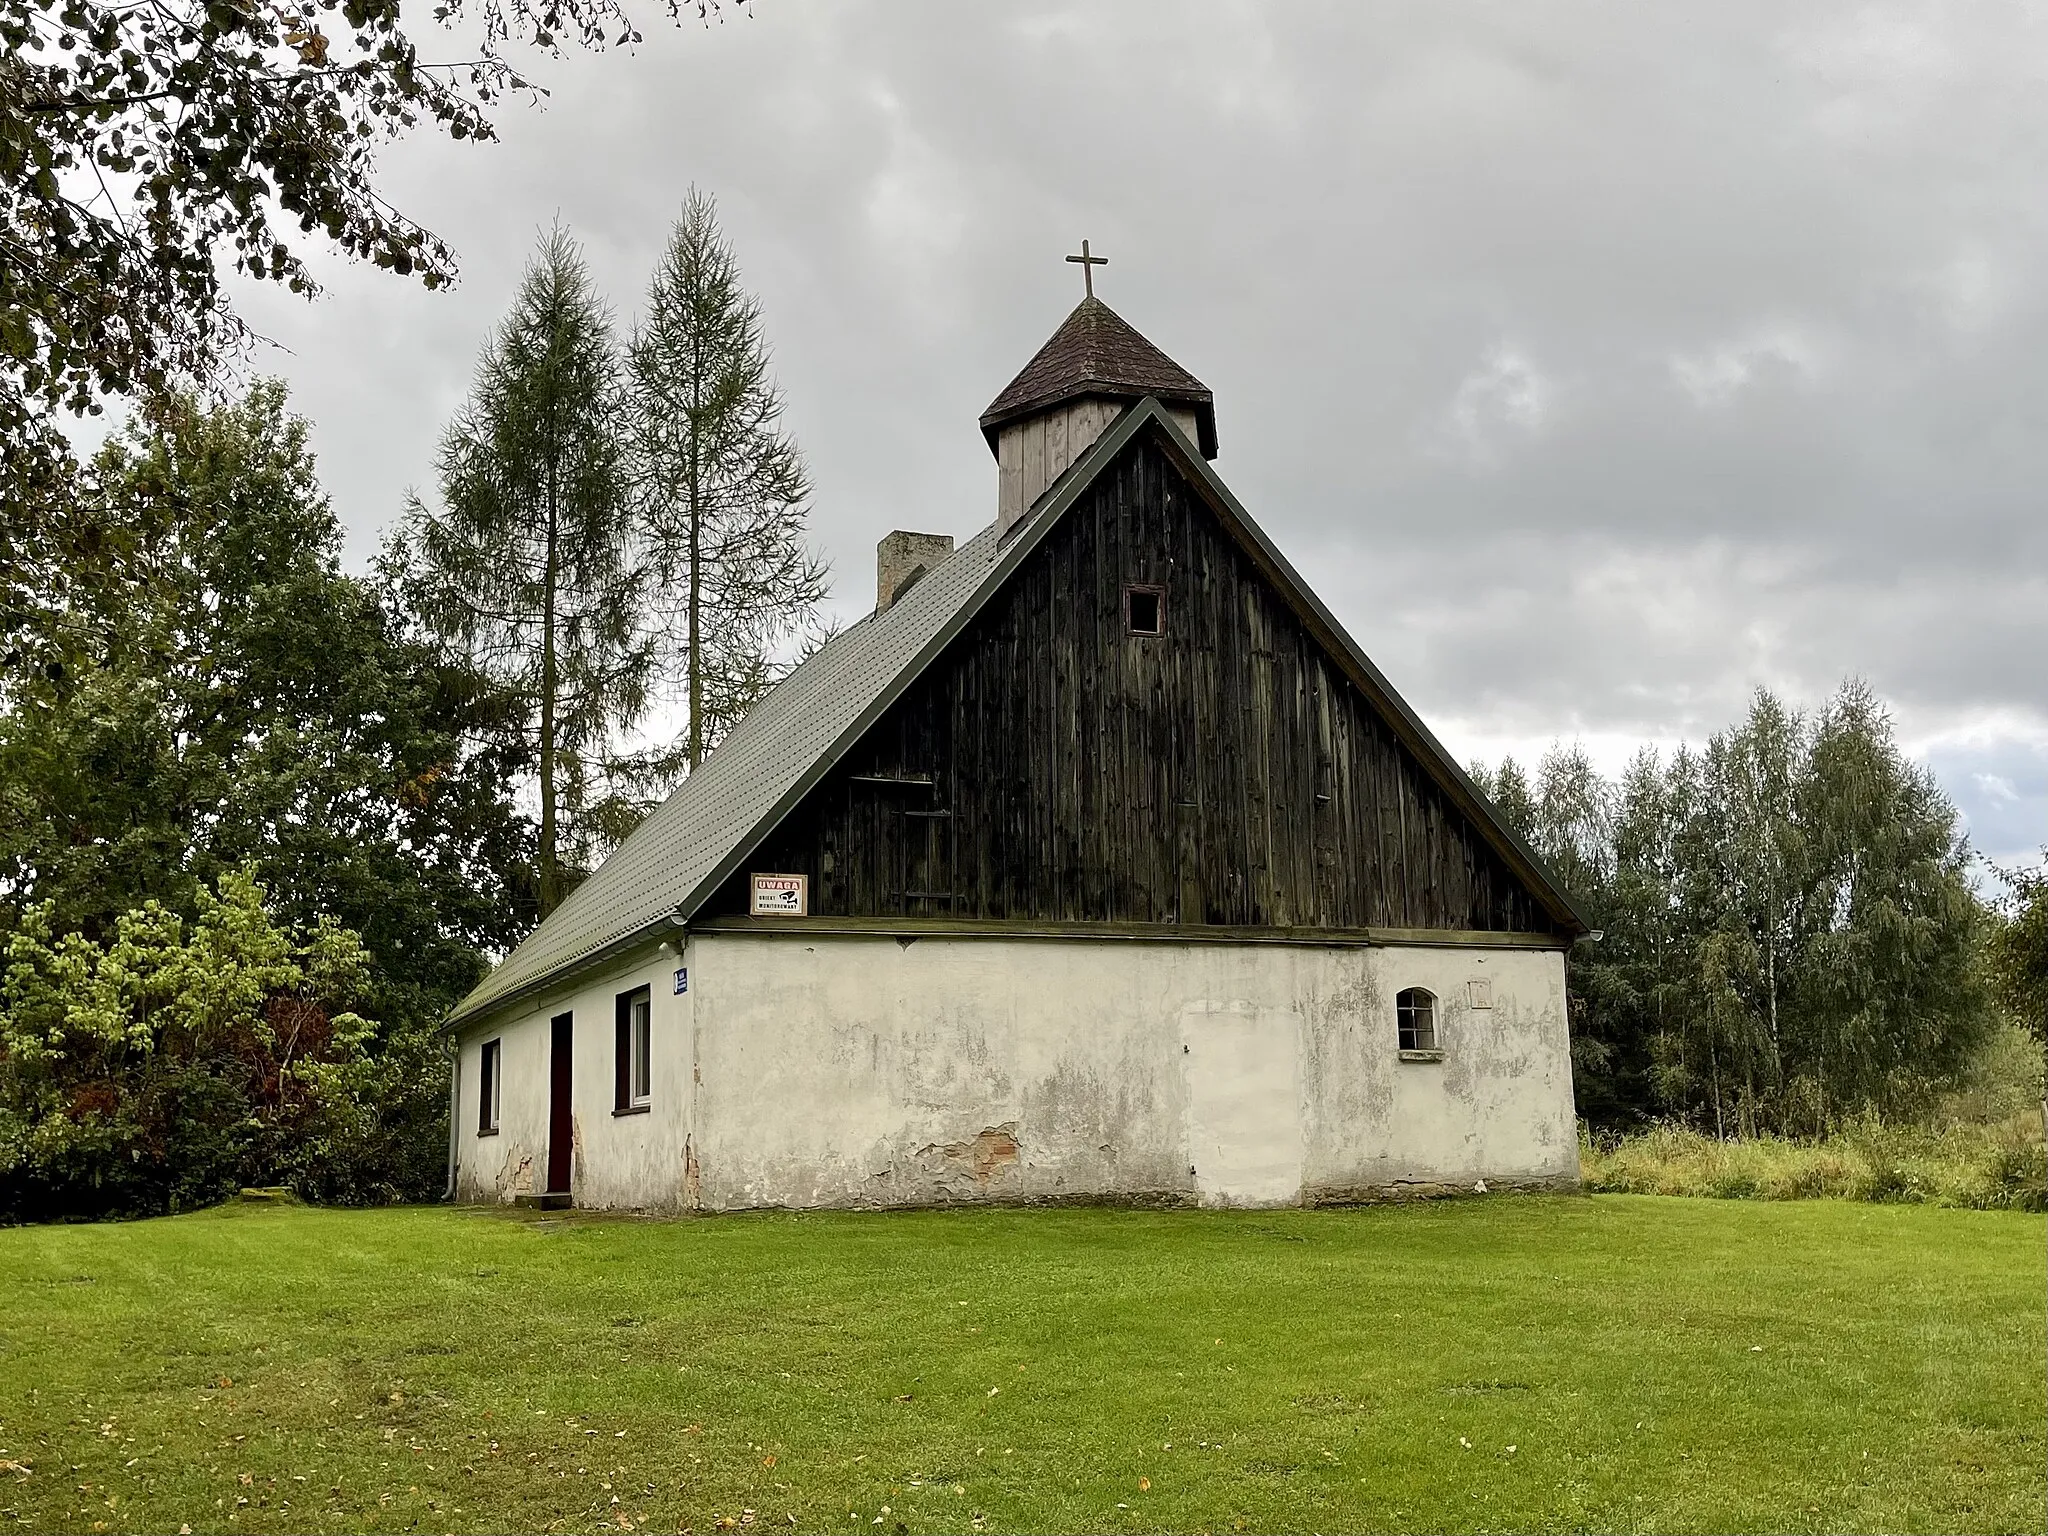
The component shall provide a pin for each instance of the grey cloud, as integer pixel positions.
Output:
(1598, 363)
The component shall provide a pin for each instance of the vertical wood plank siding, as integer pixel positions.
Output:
(1053, 766)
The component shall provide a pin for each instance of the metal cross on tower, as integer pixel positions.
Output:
(1088, 264)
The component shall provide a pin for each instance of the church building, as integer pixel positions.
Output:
(1098, 863)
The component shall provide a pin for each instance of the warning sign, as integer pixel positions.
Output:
(781, 896)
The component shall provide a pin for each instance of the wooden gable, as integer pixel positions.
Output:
(1053, 766)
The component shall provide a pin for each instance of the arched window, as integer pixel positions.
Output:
(1415, 1012)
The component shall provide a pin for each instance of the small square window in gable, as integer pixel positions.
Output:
(1145, 609)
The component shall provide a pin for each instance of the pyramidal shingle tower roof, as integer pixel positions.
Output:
(1096, 354)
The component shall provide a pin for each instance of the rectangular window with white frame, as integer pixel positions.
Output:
(635, 1052)
(489, 1079)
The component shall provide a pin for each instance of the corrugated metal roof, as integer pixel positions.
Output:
(677, 850)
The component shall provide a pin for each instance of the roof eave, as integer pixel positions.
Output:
(472, 1008)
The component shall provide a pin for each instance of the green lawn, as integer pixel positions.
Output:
(1514, 1363)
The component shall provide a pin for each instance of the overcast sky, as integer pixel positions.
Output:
(1598, 364)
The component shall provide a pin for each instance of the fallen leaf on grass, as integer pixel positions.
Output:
(1144, 1485)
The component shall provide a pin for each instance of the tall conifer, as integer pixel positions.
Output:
(529, 564)
(722, 488)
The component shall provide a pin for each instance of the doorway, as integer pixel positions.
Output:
(561, 1126)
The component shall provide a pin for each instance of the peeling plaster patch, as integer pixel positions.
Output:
(985, 1156)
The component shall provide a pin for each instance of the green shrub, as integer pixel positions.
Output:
(2017, 1179)
(171, 1064)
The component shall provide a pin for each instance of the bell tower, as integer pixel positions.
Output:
(1093, 367)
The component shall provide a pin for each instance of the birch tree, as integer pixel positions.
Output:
(1888, 990)
(1789, 928)
(529, 565)
(722, 489)
(1760, 847)
(2018, 954)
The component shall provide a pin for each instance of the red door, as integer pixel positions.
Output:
(561, 1133)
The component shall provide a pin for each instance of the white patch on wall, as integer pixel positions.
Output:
(780, 896)
(1479, 992)
(1243, 1066)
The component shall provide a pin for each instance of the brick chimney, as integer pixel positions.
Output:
(901, 558)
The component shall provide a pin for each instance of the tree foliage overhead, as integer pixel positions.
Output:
(721, 487)
(530, 564)
(208, 693)
(147, 144)
(216, 692)
(1789, 926)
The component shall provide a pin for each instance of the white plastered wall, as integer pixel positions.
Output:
(631, 1160)
(853, 1070)
(813, 1070)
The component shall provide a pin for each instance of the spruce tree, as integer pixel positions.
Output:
(721, 488)
(529, 565)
